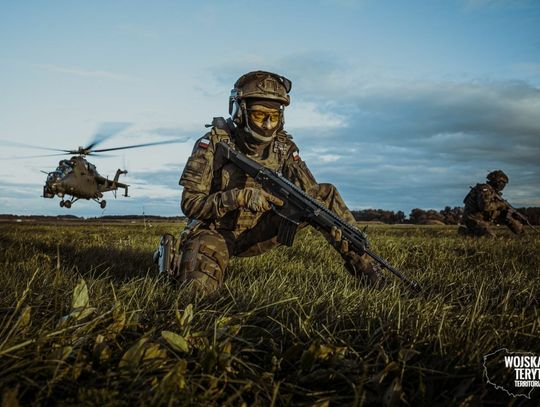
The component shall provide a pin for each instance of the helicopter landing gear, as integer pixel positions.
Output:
(102, 203)
(65, 204)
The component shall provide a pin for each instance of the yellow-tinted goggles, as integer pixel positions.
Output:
(261, 117)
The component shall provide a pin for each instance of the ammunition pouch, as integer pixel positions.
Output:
(167, 257)
(169, 252)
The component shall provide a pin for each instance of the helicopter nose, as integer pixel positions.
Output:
(52, 183)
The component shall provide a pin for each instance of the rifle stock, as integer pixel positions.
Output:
(300, 207)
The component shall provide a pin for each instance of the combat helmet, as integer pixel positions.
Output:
(261, 85)
(497, 175)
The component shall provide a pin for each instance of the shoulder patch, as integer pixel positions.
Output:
(204, 142)
(295, 156)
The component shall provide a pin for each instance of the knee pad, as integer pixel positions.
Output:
(204, 259)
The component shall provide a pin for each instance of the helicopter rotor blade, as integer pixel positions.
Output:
(17, 144)
(32, 156)
(105, 131)
(100, 155)
(144, 145)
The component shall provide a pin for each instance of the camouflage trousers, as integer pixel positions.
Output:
(476, 225)
(207, 250)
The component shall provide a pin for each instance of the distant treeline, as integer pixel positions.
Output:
(446, 216)
(10, 216)
(147, 217)
(107, 217)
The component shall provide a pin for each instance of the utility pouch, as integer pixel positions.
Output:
(166, 256)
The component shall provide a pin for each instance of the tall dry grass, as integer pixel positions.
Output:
(86, 320)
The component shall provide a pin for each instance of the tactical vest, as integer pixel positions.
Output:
(482, 200)
(228, 176)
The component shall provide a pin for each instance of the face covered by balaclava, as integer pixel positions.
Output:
(263, 119)
(498, 184)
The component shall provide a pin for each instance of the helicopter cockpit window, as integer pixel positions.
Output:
(64, 168)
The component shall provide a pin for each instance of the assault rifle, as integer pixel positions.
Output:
(300, 207)
(513, 212)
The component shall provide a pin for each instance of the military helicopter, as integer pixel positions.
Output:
(78, 178)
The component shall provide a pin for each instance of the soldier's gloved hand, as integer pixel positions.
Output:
(357, 264)
(256, 199)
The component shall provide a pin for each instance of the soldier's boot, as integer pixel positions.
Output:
(204, 259)
(363, 268)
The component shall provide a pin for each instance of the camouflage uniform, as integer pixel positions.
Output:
(483, 207)
(225, 228)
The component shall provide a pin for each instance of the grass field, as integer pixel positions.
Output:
(86, 320)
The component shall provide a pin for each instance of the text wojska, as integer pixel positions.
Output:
(522, 361)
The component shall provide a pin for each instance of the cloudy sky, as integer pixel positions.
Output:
(399, 104)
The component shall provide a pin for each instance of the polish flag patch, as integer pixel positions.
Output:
(295, 156)
(204, 142)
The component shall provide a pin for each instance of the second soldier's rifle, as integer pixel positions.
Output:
(513, 212)
(300, 207)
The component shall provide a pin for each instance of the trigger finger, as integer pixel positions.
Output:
(273, 199)
(344, 246)
(276, 200)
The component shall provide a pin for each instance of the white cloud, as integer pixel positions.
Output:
(328, 158)
(310, 115)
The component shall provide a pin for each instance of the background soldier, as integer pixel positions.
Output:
(484, 206)
(230, 215)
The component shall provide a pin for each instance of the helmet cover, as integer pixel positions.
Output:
(497, 175)
(263, 85)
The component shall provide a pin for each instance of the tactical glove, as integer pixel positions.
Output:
(357, 264)
(362, 268)
(256, 200)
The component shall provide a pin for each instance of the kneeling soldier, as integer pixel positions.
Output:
(231, 215)
(484, 206)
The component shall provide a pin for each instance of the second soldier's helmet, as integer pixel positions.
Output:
(259, 85)
(497, 175)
